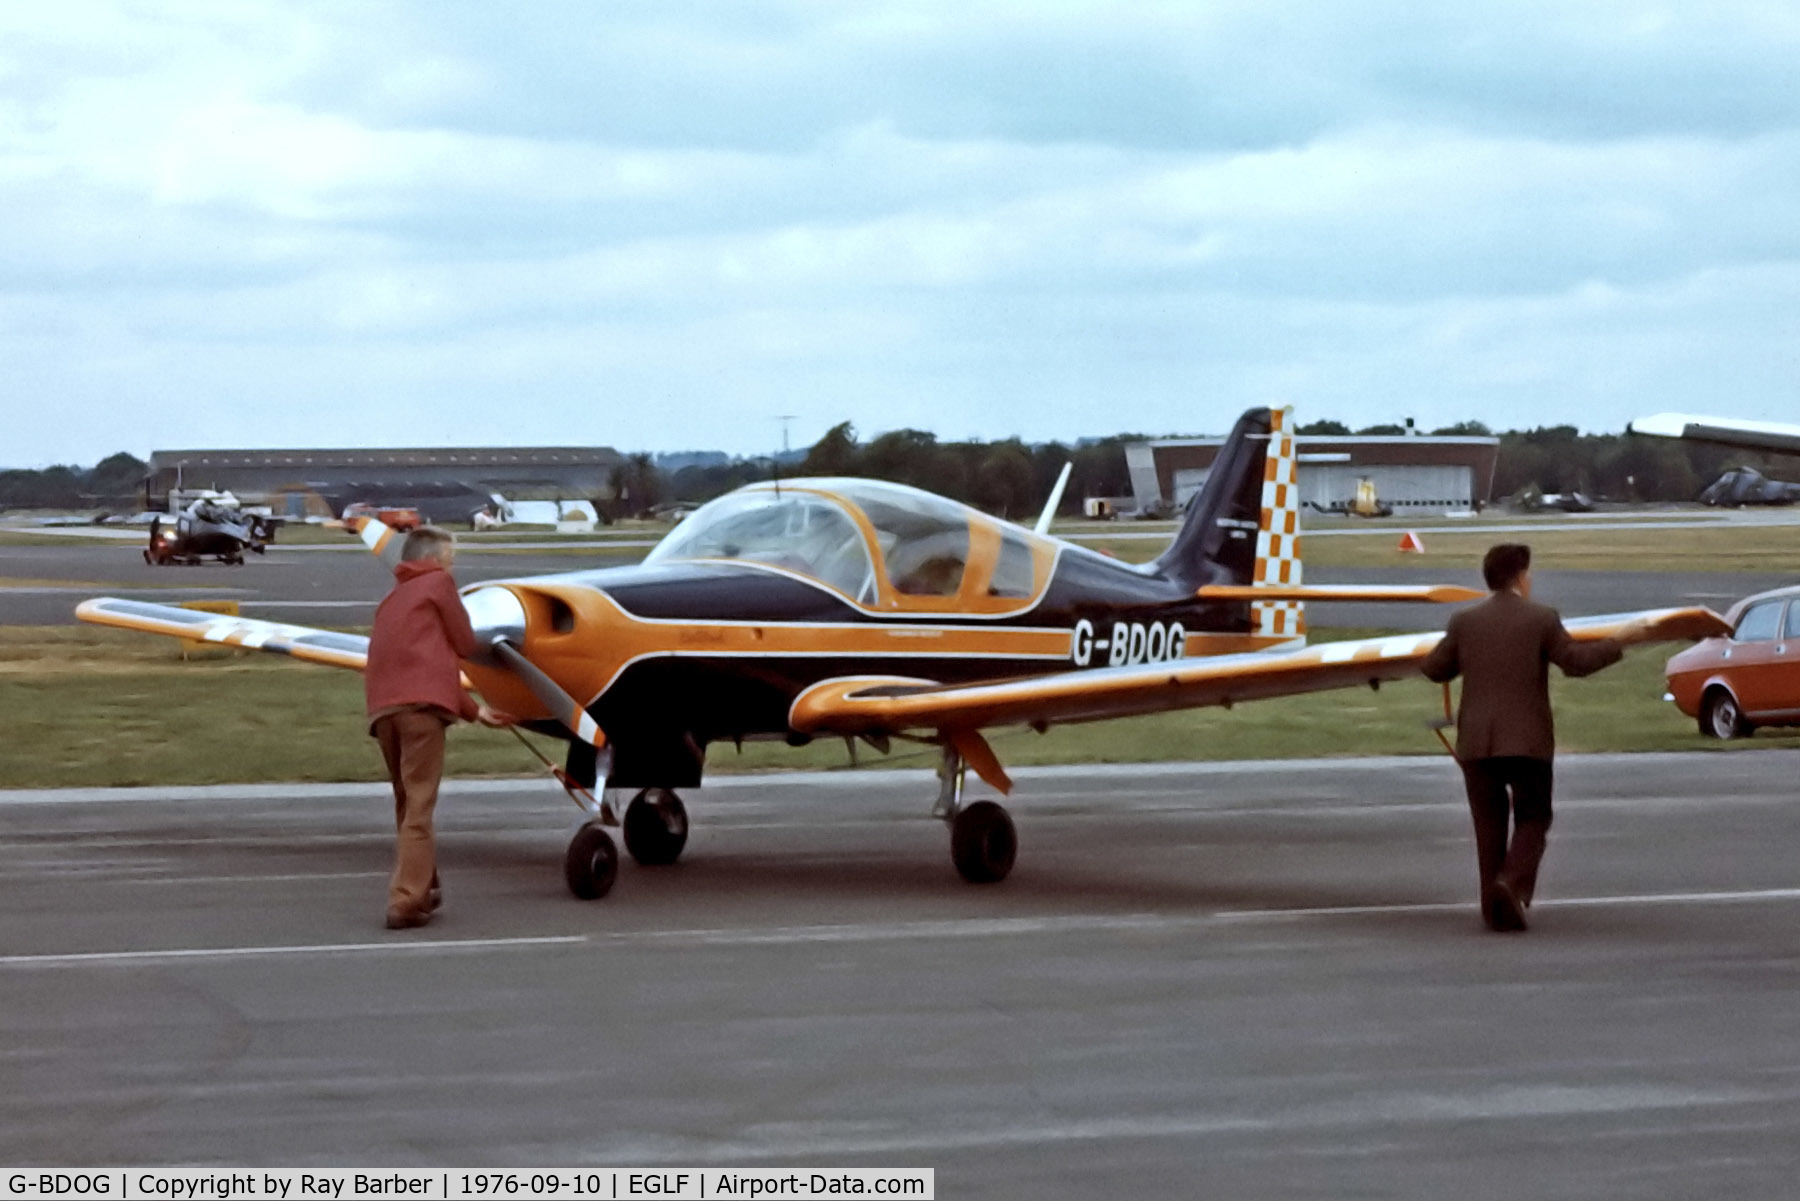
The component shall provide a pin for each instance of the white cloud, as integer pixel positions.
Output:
(654, 223)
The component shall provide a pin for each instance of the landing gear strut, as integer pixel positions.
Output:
(983, 842)
(656, 827)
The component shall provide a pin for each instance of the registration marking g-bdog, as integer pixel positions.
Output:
(1127, 642)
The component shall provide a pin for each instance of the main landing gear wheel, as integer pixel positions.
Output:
(983, 842)
(655, 827)
(1721, 718)
(592, 863)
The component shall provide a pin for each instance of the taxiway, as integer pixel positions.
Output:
(1244, 980)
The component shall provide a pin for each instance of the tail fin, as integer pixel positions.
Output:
(1243, 526)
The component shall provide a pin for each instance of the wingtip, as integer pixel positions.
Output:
(1660, 425)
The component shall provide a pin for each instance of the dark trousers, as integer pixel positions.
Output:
(1518, 787)
(412, 743)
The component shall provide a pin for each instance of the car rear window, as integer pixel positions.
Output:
(1758, 622)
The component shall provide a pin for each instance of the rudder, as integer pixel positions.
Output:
(1278, 533)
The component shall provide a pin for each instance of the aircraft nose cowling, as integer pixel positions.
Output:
(496, 614)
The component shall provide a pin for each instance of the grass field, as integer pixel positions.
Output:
(81, 706)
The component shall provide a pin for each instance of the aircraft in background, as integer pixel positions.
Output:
(212, 527)
(1721, 431)
(853, 608)
(1364, 504)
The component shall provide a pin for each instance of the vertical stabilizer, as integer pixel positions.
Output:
(1243, 527)
(1216, 543)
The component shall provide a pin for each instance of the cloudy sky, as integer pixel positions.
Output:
(660, 225)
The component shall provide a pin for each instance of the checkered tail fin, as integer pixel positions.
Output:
(1278, 533)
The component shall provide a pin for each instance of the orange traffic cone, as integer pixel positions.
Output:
(1410, 544)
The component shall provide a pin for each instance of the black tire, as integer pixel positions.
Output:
(655, 827)
(1721, 718)
(592, 863)
(983, 843)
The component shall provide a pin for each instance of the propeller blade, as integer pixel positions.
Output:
(550, 694)
(385, 541)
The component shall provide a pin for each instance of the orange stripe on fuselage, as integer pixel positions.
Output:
(605, 639)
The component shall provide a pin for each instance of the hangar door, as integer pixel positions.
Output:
(1420, 488)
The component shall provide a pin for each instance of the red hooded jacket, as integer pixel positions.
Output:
(421, 634)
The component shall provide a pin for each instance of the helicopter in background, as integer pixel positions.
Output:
(211, 527)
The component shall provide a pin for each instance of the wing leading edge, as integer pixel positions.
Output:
(870, 705)
(1722, 431)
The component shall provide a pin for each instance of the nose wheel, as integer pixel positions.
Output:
(655, 827)
(592, 862)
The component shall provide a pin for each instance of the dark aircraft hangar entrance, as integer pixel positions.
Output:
(1414, 474)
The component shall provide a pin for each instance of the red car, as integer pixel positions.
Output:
(1734, 684)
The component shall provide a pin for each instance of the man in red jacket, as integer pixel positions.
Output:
(413, 683)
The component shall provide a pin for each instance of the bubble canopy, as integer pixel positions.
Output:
(877, 543)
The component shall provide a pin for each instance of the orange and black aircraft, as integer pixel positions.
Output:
(866, 610)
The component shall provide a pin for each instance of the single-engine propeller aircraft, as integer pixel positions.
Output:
(867, 610)
(208, 528)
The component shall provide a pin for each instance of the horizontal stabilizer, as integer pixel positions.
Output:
(1442, 594)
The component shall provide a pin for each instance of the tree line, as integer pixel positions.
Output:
(1012, 478)
(115, 482)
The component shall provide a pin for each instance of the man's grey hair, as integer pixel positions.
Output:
(426, 541)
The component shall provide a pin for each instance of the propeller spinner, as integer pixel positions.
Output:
(498, 617)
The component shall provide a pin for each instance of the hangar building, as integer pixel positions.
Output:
(1416, 474)
(298, 483)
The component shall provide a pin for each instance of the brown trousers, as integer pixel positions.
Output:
(412, 742)
(1519, 788)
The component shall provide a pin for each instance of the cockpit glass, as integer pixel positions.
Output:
(1015, 572)
(924, 541)
(792, 530)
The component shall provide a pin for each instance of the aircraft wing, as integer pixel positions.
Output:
(300, 642)
(871, 705)
(1724, 431)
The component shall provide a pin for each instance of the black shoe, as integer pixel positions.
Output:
(1500, 906)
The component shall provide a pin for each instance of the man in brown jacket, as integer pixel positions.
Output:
(1505, 735)
(413, 685)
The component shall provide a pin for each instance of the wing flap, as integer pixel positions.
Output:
(328, 647)
(868, 705)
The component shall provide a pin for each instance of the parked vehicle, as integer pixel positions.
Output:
(1733, 685)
